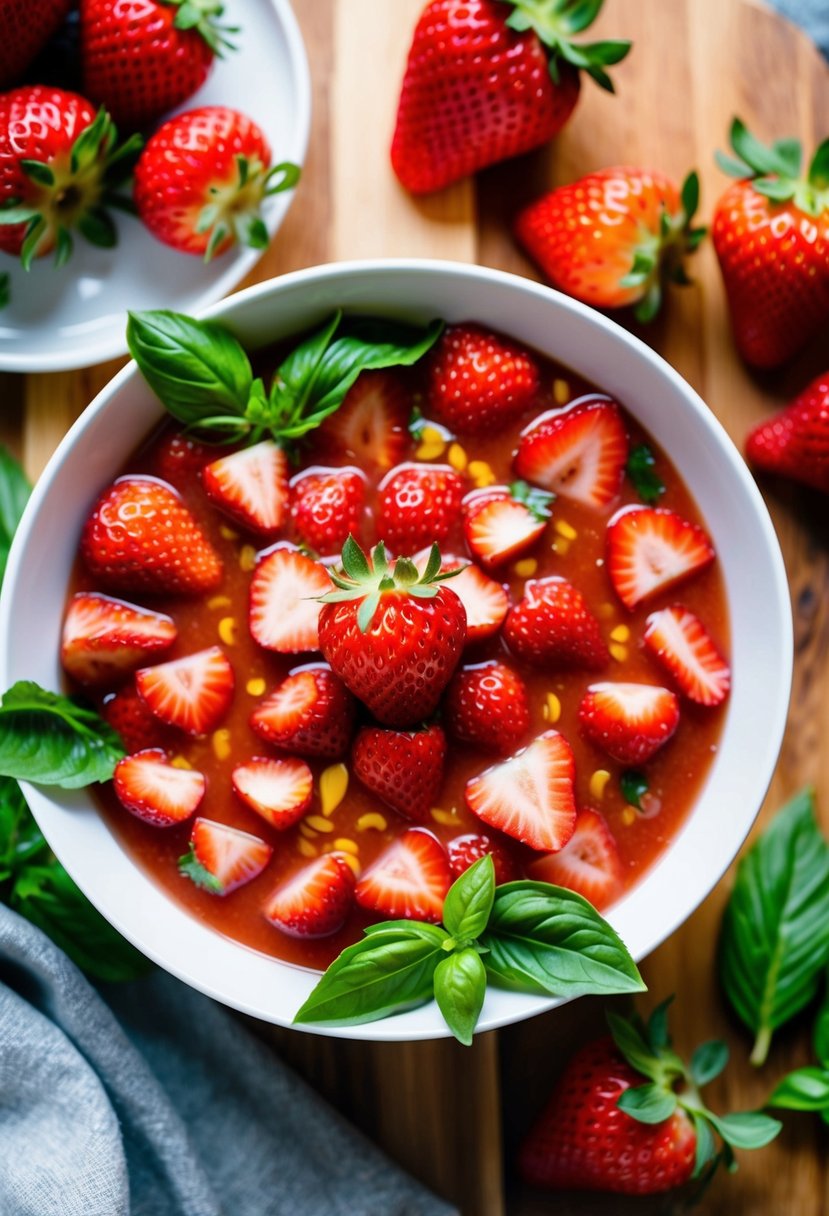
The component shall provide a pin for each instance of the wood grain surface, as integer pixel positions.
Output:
(451, 1115)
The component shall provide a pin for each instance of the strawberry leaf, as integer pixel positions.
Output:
(708, 1061)
(746, 1129)
(190, 867)
(648, 1103)
(460, 988)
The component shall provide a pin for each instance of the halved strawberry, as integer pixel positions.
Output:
(464, 851)
(327, 505)
(315, 901)
(221, 858)
(529, 796)
(589, 863)
(278, 790)
(553, 625)
(403, 767)
(156, 791)
(104, 637)
(311, 713)
(578, 452)
(371, 425)
(650, 549)
(680, 643)
(284, 601)
(503, 522)
(629, 721)
(192, 693)
(251, 485)
(409, 880)
(418, 504)
(486, 705)
(486, 602)
(129, 716)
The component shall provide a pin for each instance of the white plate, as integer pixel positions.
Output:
(76, 316)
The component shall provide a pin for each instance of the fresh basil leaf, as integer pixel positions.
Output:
(54, 740)
(803, 1089)
(469, 901)
(633, 785)
(708, 1061)
(374, 978)
(196, 368)
(546, 939)
(14, 494)
(460, 988)
(648, 1103)
(820, 1035)
(48, 897)
(295, 379)
(774, 943)
(641, 471)
(410, 928)
(746, 1129)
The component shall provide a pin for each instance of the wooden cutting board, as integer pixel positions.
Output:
(443, 1111)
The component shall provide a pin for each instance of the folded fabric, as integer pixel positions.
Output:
(158, 1102)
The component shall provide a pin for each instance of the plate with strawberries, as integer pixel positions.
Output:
(148, 154)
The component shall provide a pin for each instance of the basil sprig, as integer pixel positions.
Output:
(774, 943)
(807, 1089)
(526, 935)
(203, 376)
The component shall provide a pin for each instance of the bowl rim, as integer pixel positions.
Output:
(763, 765)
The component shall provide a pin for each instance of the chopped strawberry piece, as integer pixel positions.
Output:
(311, 713)
(529, 796)
(278, 790)
(371, 425)
(578, 452)
(403, 767)
(552, 625)
(650, 549)
(629, 721)
(155, 790)
(464, 851)
(795, 442)
(419, 504)
(327, 505)
(485, 601)
(192, 693)
(222, 858)
(589, 863)
(680, 643)
(105, 637)
(129, 716)
(315, 901)
(180, 460)
(409, 880)
(284, 601)
(487, 705)
(251, 485)
(503, 522)
(477, 382)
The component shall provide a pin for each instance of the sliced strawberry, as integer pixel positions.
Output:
(464, 851)
(278, 790)
(487, 705)
(485, 601)
(629, 721)
(221, 858)
(578, 452)
(155, 790)
(403, 767)
(371, 425)
(311, 713)
(251, 485)
(327, 505)
(284, 601)
(503, 522)
(315, 901)
(129, 716)
(530, 796)
(419, 504)
(553, 625)
(192, 693)
(680, 643)
(589, 863)
(650, 549)
(409, 880)
(105, 637)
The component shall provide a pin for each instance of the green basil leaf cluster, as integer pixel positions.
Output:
(775, 944)
(51, 739)
(807, 1089)
(526, 935)
(203, 376)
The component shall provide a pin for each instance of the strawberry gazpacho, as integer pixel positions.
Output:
(428, 596)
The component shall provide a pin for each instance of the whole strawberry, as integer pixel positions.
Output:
(202, 178)
(24, 29)
(486, 80)
(487, 705)
(476, 383)
(403, 767)
(771, 234)
(626, 1116)
(613, 238)
(419, 504)
(394, 637)
(327, 505)
(795, 442)
(59, 167)
(142, 58)
(553, 626)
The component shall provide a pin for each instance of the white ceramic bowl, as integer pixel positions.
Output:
(93, 451)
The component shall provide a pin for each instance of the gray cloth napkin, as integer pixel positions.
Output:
(160, 1103)
(812, 15)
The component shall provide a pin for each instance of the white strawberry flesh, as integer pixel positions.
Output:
(530, 796)
(284, 601)
(105, 637)
(682, 646)
(155, 790)
(251, 485)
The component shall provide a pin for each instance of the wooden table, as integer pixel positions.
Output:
(452, 1115)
